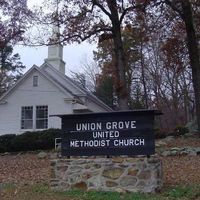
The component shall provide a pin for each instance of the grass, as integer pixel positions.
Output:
(184, 192)
(43, 192)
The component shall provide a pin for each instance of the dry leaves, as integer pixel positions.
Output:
(27, 168)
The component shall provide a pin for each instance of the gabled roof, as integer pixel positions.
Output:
(21, 80)
(59, 80)
(64, 80)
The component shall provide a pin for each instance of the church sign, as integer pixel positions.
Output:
(110, 133)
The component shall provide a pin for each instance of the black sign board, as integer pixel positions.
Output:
(110, 133)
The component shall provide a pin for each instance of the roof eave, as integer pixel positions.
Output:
(17, 83)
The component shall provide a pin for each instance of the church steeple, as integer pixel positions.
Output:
(55, 48)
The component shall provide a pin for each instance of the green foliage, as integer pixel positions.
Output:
(105, 92)
(106, 58)
(136, 104)
(93, 195)
(137, 98)
(7, 186)
(6, 142)
(40, 188)
(178, 192)
(29, 141)
(10, 68)
(184, 192)
(139, 196)
(42, 191)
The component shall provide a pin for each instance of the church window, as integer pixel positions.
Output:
(41, 117)
(27, 117)
(35, 81)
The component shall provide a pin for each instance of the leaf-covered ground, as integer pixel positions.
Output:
(27, 169)
(24, 168)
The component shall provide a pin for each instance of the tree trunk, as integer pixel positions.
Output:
(143, 76)
(120, 66)
(121, 83)
(193, 53)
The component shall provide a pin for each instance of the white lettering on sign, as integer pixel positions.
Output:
(121, 125)
(106, 143)
(89, 143)
(105, 134)
(88, 126)
(97, 126)
(129, 142)
(74, 144)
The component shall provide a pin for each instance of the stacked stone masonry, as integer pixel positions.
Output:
(121, 174)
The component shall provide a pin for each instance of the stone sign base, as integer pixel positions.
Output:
(121, 174)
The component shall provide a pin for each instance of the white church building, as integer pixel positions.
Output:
(44, 91)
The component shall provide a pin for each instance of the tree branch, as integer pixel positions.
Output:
(140, 6)
(125, 12)
(88, 35)
(169, 3)
(95, 2)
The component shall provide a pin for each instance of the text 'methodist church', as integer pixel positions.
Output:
(44, 91)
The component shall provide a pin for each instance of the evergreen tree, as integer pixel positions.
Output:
(10, 68)
(105, 91)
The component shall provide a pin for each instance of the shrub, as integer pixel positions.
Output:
(5, 142)
(160, 133)
(29, 141)
(180, 130)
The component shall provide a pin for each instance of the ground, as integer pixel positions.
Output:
(24, 168)
(182, 169)
(27, 168)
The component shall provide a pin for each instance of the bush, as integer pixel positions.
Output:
(6, 142)
(29, 141)
(180, 130)
(160, 133)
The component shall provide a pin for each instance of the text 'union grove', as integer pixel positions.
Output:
(92, 126)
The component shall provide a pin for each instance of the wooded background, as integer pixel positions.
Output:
(147, 54)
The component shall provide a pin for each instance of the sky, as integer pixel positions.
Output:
(74, 55)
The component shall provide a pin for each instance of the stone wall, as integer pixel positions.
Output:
(121, 174)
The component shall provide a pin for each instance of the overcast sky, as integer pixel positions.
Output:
(73, 55)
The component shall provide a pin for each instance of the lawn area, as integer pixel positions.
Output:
(43, 192)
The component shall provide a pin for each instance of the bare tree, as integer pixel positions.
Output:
(102, 20)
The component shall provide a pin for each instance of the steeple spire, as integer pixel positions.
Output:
(56, 25)
(55, 48)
